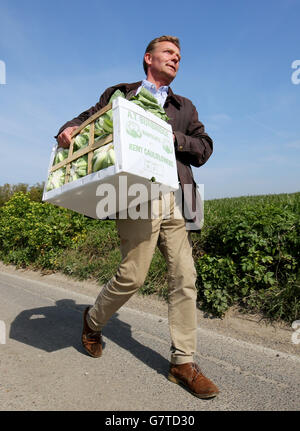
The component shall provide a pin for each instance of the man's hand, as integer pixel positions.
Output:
(64, 138)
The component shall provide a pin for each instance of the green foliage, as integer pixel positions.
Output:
(35, 192)
(252, 256)
(31, 232)
(218, 283)
(248, 253)
(95, 254)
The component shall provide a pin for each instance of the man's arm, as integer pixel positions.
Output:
(195, 146)
(64, 134)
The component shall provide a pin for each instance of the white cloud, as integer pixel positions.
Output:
(295, 145)
(216, 121)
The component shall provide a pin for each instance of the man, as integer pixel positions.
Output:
(138, 238)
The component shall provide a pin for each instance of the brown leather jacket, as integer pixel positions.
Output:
(192, 145)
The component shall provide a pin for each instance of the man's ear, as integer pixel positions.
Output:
(148, 58)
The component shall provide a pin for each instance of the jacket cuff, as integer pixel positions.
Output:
(180, 142)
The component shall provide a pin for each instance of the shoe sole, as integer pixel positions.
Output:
(90, 354)
(174, 379)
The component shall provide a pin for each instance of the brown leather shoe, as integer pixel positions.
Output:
(91, 340)
(190, 376)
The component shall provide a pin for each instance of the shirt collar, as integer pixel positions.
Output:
(151, 87)
(135, 85)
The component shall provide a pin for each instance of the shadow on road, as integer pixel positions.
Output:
(57, 327)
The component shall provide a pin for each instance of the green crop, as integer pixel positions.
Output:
(147, 101)
(79, 168)
(104, 124)
(103, 157)
(81, 140)
(117, 93)
(61, 154)
(56, 179)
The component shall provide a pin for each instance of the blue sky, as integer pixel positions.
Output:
(236, 68)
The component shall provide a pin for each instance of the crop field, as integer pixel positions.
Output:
(246, 256)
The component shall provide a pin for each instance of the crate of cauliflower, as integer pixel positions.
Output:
(120, 157)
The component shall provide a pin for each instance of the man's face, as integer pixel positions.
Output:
(163, 61)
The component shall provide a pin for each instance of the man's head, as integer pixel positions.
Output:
(161, 59)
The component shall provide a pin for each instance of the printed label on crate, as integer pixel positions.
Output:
(147, 146)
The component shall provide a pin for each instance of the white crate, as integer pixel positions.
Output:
(145, 160)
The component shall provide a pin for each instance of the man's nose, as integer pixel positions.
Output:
(175, 58)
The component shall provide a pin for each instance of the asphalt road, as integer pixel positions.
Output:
(43, 366)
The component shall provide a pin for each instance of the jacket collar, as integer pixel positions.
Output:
(173, 97)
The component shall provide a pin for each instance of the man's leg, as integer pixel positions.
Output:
(138, 239)
(175, 243)
(176, 246)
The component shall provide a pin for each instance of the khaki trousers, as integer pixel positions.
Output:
(138, 239)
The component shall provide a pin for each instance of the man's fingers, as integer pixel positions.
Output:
(66, 143)
(64, 139)
(67, 138)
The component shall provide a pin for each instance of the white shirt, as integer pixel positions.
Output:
(160, 94)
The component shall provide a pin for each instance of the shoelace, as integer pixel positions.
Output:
(94, 337)
(197, 370)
